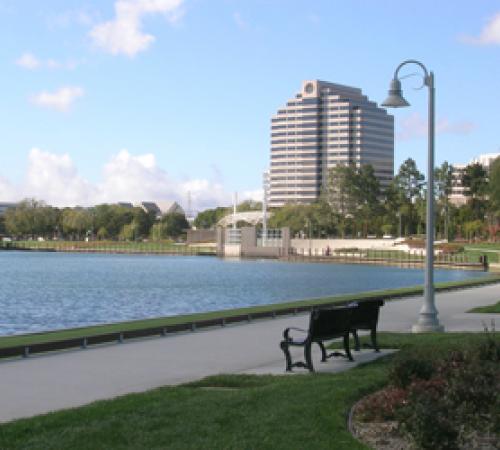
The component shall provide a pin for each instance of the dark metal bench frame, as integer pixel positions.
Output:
(324, 325)
(365, 317)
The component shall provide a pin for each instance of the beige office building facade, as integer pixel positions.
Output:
(325, 125)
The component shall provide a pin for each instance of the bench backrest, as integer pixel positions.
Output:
(330, 323)
(365, 314)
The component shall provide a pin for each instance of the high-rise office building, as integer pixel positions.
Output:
(325, 125)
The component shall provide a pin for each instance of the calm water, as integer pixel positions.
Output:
(45, 291)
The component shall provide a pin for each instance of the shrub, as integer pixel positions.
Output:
(407, 370)
(455, 401)
(426, 418)
(382, 405)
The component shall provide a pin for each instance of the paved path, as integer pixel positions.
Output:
(45, 383)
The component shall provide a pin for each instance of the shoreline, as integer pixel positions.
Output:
(397, 262)
(20, 344)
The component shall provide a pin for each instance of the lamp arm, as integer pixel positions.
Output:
(418, 63)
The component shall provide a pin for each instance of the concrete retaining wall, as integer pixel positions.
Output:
(319, 246)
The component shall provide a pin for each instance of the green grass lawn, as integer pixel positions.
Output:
(227, 411)
(26, 339)
(490, 309)
(110, 246)
(491, 250)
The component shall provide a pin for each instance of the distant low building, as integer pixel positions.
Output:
(169, 207)
(125, 205)
(161, 208)
(4, 206)
(459, 192)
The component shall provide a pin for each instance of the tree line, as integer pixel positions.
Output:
(32, 219)
(353, 204)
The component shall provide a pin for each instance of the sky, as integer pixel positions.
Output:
(131, 100)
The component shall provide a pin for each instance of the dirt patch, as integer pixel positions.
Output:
(377, 435)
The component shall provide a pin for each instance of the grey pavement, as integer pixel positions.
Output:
(50, 382)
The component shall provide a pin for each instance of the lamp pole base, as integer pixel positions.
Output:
(427, 323)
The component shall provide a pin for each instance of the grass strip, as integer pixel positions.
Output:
(489, 309)
(228, 411)
(388, 294)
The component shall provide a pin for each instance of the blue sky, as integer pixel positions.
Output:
(152, 99)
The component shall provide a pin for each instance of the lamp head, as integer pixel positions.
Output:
(395, 98)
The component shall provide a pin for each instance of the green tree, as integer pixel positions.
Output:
(494, 187)
(291, 215)
(475, 179)
(110, 219)
(129, 232)
(407, 187)
(175, 224)
(341, 189)
(249, 205)
(208, 219)
(409, 181)
(494, 199)
(442, 184)
(76, 222)
(31, 218)
(142, 222)
(367, 195)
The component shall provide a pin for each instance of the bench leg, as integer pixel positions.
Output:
(373, 334)
(357, 347)
(284, 346)
(324, 355)
(346, 347)
(307, 356)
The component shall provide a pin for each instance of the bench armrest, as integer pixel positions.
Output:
(286, 333)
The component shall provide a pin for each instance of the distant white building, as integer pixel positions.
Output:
(486, 160)
(458, 196)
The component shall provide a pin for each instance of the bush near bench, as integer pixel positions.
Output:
(441, 402)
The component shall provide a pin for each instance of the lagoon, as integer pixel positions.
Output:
(47, 291)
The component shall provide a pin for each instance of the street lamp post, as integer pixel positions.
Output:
(428, 320)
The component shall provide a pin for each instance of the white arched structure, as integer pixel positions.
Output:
(251, 217)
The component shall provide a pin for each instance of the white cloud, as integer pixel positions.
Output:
(60, 100)
(28, 61)
(414, 126)
(54, 178)
(31, 62)
(126, 177)
(123, 34)
(7, 190)
(490, 34)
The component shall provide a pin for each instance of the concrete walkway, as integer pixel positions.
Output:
(73, 378)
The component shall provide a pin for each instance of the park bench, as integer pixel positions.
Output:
(324, 325)
(365, 317)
